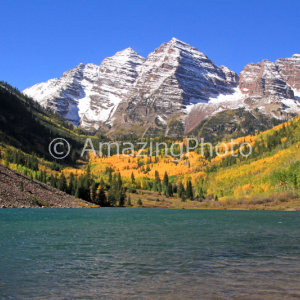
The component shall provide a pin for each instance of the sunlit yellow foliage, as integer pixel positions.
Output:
(127, 165)
(68, 171)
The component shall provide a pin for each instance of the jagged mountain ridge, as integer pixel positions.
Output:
(174, 77)
(87, 94)
(171, 92)
(289, 69)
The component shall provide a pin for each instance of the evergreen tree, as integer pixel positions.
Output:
(156, 187)
(94, 192)
(110, 176)
(183, 198)
(101, 197)
(132, 178)
(75, 184)
(52, 181)
(56, 181)
(83, 189)
(114, 181)
(169, 190)
(111, 198)
(119, 185)
(157, 179)
(189, 190)
(174, 188)
(166, 179)
(180, 190)
(62, 183)
(121, 197)
(102, 184)
(71, 184)
(201, 193)
(129, 201)
(88, 175)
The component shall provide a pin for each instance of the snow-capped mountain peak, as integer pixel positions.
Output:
(88, 94)
(175, 83)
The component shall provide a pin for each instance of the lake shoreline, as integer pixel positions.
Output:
(156, 207)
(19, 191)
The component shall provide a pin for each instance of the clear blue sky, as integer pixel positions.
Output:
(40, 39)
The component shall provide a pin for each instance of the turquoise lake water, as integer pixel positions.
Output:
(136, 253)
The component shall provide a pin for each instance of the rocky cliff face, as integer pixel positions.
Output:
(271, 87)
(171, 92)
(175, 77)
(289, 69)
(88, 94)
(264, 79)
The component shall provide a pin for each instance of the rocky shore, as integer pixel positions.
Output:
(18, 191)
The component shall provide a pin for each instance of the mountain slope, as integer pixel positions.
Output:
(17, 190)
(268, 179)
(27, 126)
(263, 89)
(172, 92)
(174, 76)
(88, 94)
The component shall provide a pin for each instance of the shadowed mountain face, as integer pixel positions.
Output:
(26, 125)
(171, 92)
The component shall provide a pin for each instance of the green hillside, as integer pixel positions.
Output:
(27, 126)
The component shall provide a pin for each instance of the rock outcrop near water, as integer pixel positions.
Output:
(18, 191)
